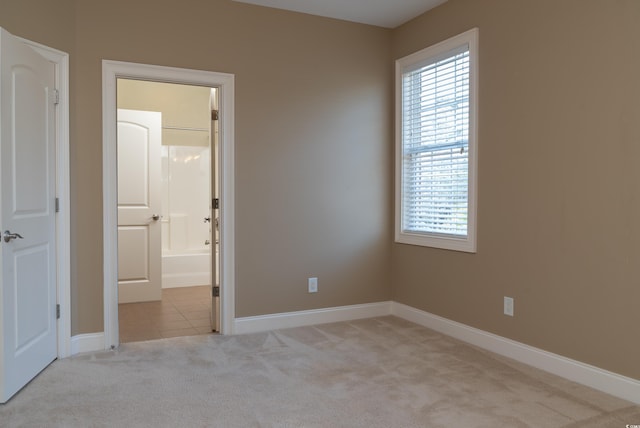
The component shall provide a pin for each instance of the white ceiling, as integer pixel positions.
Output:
(383, 13)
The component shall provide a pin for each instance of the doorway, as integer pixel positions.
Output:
(167, 235)
(112, 71)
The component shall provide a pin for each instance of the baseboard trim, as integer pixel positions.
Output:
(315, 316)
(585, 374)
(612, 383)
(87, 343)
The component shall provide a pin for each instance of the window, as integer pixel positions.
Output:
(436, 145)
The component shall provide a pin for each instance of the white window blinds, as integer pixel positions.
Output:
(435, 145)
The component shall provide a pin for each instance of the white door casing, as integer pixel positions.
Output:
(213, 215)
(139, 206)
(111, 71)
(28, 288)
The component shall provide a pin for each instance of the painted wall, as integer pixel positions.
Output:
(51, 23)
(559, 183)
(313, 123)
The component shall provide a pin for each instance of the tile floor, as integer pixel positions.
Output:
(184, 311)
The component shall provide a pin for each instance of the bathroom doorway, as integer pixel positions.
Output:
(168, 241)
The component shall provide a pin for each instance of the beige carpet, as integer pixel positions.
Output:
(382, 372)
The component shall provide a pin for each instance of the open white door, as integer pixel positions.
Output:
(139, 193)
(215, 214)
(28, 329)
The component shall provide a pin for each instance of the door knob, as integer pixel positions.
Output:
(156, 217)
(8, 236)
(207, 219)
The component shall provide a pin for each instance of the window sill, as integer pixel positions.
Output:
(466, 244)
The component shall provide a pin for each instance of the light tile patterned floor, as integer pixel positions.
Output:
(184, 311)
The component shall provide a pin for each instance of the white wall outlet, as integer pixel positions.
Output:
(508, 306)
(313, 285)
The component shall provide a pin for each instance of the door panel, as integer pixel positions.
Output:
(28, 328)
(32, 308)
(30, 143)
(133, 188)
(139, 188)
(133, 240)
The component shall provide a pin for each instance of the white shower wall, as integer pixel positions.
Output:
(185, 199)
(186, 237)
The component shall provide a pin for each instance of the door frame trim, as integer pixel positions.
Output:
(111, 71)
(63, 217)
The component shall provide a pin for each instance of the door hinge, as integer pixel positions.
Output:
(58, 312)
(215, 291)
(57, 205)
(215, 203)
(55, 97)
(214, 115)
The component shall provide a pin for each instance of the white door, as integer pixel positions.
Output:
(28, 328)
(215, 216)
(139, 192)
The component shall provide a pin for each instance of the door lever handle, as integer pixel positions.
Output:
(8, 236)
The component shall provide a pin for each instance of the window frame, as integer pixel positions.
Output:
(431, 54)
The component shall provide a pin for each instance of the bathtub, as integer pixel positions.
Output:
(186, 268)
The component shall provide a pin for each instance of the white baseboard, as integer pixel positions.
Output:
(311, 317)
(594, 377)
(87, 343)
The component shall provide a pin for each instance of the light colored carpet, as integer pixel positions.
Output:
(381, 372)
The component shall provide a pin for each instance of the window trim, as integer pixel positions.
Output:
(448, 242)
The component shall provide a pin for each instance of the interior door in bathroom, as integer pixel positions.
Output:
(215, 213)
(139, 200)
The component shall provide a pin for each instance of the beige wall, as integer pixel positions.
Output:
(312, 144)
(312, 139)
(182, 106)
(50, 22)
(559, 185)
(559, 197)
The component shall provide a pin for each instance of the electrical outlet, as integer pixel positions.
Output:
(508, 306)
(313, 285)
